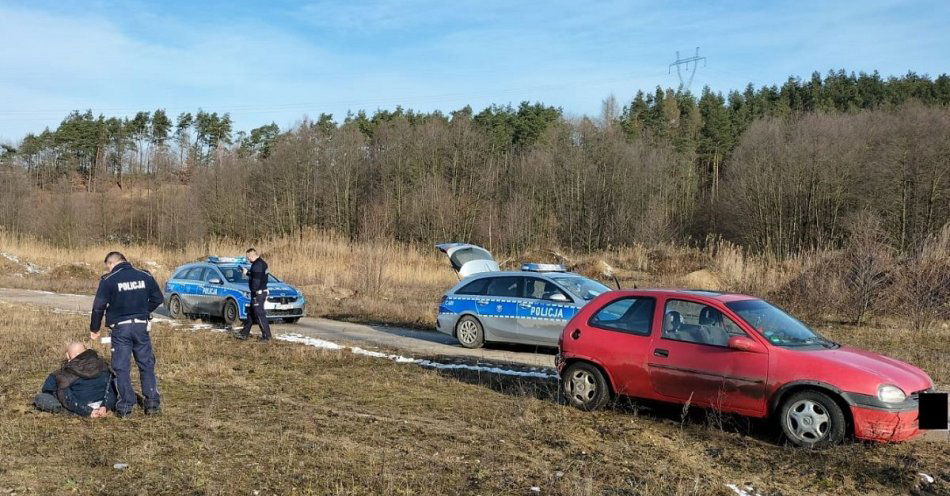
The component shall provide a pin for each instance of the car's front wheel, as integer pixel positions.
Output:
(469, 332)
(585, 386)
(175, 310)
(812, 419)
(230, 313)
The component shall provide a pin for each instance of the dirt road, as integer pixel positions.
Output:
(416, 342)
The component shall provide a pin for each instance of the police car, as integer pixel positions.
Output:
(530, 306)
(216, 287)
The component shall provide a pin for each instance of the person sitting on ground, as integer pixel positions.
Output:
(83, 385)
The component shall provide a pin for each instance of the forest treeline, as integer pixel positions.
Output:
(778, 169)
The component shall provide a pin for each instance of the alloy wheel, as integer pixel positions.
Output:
(808, 421)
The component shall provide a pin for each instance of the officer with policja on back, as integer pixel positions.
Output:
(127, 296)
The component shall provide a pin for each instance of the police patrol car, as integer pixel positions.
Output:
(216, 287)
(530, 306)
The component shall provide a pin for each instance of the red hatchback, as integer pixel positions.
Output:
(738, 354)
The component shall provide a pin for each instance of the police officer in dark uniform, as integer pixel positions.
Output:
(257, 281)
(128, 296)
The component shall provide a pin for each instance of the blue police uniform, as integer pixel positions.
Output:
(257, 283)
(127, 297)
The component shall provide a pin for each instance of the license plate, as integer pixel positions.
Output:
(277, 306)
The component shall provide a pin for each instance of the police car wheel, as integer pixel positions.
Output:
(174, 308)
(469, 332)
(230, 314)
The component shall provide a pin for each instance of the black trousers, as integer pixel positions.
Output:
(256, 314)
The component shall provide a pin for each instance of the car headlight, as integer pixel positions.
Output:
(890, 394)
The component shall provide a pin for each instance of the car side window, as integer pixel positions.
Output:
(181, 273)
(632, 315)
(697, 323)
(476, 287)
(509, 287)
(195, 274)
(211, 274)
(539, 289)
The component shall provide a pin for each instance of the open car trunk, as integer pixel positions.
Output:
(468, 259)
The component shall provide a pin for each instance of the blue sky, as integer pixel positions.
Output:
(280, 60)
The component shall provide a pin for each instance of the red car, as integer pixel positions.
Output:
(738, 354)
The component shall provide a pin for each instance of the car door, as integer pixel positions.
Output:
(619, 335)
(212, 291)
(544, 310)
(690, 361)
(498, 309)
(191, 295)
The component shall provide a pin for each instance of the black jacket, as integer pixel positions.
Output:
(123, 294)
(257, 276)
(83, 380)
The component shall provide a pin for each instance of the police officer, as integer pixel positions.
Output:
(128, 296)
(257, 281)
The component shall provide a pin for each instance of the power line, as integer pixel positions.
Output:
(679, 63)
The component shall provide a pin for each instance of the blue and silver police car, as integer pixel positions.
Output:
(530, 306)
(217, 287)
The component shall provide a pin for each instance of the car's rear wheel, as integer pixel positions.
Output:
(812, 419)
(585, 386)
(469, 332)
(175, 310)
(230, 313)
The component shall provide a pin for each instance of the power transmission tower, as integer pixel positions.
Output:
(679, 63)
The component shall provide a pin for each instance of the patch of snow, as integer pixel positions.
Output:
(536, 373)
(746, 491)
(309, 341)
(29, 267)
(120, 466)
(535, 489)
(926, 478)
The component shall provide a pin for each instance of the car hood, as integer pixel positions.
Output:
(273, 289)
(887, 370)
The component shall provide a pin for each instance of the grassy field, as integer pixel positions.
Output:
(246, 418)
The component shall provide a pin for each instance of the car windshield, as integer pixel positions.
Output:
(581, 287)
(233, 274)
(780, 328)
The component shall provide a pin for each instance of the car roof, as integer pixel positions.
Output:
(499, 273)
(702, 293)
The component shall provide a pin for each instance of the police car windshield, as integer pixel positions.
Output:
(581, 287)
(233, 274)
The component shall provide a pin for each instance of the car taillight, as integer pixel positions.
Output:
(444, 297)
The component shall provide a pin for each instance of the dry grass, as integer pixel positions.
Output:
(400, 284)
(283, 418)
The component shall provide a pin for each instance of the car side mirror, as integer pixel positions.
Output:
(559, 297)
(215, 281)
(745, 343)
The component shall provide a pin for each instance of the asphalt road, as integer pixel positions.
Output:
(418, 343)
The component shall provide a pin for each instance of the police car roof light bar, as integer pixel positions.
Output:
(224, 260)
(543, 267)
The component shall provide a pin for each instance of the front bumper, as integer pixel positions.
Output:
(884, 426)
(277, 310)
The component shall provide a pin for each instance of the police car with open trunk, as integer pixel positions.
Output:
(530, 306)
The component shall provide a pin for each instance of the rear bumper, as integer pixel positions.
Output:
(884, 426)
(445, 323)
